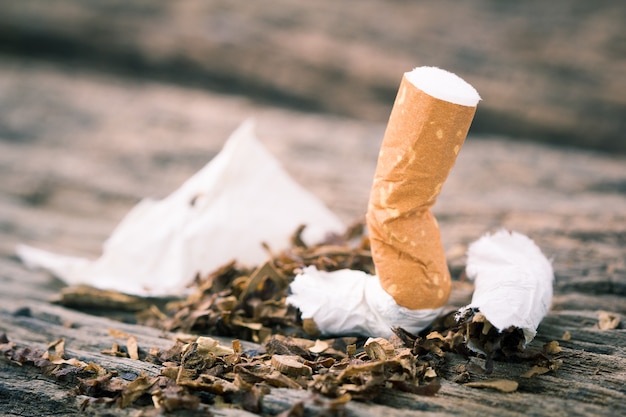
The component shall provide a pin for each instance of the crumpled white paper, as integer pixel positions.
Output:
(513, 281)
(241, 198)
(352, 302)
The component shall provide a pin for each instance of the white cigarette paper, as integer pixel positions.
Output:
(240, 199)
(349, 302)
(513, 281)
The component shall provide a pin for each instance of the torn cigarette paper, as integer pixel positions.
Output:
(353, 302)
(513, 281)
(241, 198)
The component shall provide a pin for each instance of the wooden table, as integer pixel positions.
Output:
(79, 149)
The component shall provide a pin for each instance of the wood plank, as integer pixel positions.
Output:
(85, 156)
(590, 381)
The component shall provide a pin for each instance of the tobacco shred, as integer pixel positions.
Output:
(249, 304)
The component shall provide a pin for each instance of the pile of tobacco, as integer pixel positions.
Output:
(249, 304)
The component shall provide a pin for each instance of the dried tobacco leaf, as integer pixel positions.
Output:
(279, 380)
(535, 370)
(251, 399)
(502, 385)
(378, 348)
(84, 296)
(135, 389)
(210, 346)
(462, 377)
(480, 337)
(173, 397)
(608, 320)
(290, 346)
(291, 366)
(428, 390)
(366, 379)
(133, 349)
(249, 304)
(59, 348)
(115, 351)
(319, 347)
(552, 348)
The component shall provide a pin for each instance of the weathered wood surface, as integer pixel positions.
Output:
(546, 70)
(77, 150)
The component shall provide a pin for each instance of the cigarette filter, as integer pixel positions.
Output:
(429, 121)
(513, 281)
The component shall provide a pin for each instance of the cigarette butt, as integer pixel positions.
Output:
(429, 121)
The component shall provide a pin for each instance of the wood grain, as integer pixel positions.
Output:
(78, 149)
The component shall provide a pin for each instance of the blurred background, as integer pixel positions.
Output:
(552, 71)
